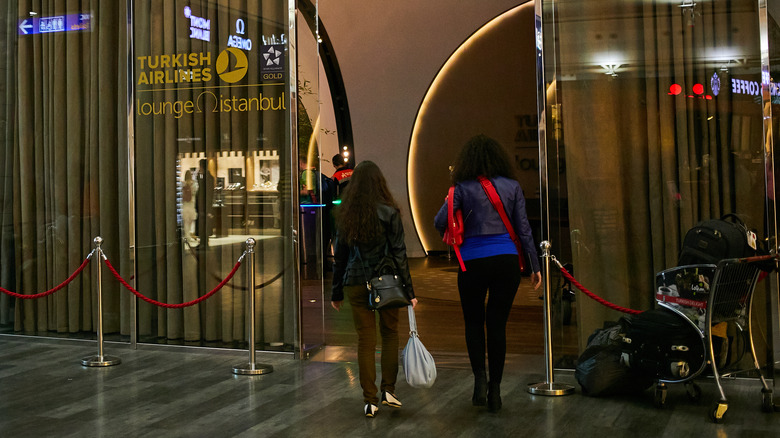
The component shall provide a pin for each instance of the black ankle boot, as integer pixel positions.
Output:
(480, 390)
(494, 397)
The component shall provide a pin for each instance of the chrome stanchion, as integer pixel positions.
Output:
(548, 387)
(100, 360)
(251, 368)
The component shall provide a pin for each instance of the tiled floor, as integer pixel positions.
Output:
(164, 391)
(180, 392)
(440, 320)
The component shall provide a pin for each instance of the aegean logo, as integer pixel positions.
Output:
(239, 65)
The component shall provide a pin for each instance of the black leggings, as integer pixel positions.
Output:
(500, 275)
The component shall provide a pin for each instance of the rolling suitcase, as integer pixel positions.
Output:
(663, 344)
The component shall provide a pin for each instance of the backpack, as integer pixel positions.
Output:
(713, 240)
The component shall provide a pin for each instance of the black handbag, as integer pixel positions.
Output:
(386, 289)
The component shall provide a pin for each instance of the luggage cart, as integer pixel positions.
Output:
(710, 302)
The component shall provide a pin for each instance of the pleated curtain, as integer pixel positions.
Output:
(71, 172)
(643, 166)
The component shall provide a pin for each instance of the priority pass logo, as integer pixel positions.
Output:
(232, 65)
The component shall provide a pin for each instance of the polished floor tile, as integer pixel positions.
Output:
(182, 392)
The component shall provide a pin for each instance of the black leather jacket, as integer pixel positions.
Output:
(347, 269)
(480, 218)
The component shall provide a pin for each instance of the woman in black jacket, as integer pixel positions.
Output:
(368, 226)
(490, 257)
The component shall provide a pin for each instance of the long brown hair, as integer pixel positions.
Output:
(356, 216)
(482, 155)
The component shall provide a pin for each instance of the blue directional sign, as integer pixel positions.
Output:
(57, 23)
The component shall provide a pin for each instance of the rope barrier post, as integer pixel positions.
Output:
(251, 368)
(100, 360)
(548, 387)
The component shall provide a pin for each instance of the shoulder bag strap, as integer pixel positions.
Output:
(363, 267)
(492, 195)
(451, 224)
(381, 262)
(450, 207)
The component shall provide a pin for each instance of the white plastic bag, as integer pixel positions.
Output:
(419, 367)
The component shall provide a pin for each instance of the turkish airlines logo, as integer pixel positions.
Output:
(232, 69)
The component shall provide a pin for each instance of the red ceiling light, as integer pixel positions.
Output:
(698, 91)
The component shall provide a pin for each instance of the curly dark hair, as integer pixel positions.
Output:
(482, 155)
(356, 217)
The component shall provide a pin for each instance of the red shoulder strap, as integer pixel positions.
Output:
(492, 195)
(452, 225)
(450, 212)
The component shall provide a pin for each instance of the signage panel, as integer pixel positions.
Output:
(57, 23)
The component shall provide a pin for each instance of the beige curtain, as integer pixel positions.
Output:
(65, 172)
(8, 14)
(644, 166)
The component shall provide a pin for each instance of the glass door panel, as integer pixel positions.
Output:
(63, 165)
(653, 114)
(213, 167)
(314, 196)
(769, 17)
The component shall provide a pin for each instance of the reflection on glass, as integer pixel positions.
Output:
(657, 112)
(236, 198)
(212, 120)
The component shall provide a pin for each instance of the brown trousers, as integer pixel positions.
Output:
(365, 325)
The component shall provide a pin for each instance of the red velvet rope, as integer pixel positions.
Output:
(50, 291)
(172, 306)
(596, 297)
(239, 288)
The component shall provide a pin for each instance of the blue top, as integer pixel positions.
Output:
(487, 245)
(481, 220)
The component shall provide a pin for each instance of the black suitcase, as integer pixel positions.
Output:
(600, 372)
(713, 240)
(663, 344)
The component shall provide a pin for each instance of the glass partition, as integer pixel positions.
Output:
(769, 27)
(315, 199)
(213, 158)
(654, 122)
(166, 128)
(324, 132)
(63, 171)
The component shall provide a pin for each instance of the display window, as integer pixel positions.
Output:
(167, 129)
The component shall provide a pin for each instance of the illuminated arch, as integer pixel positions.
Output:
(427, 168)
